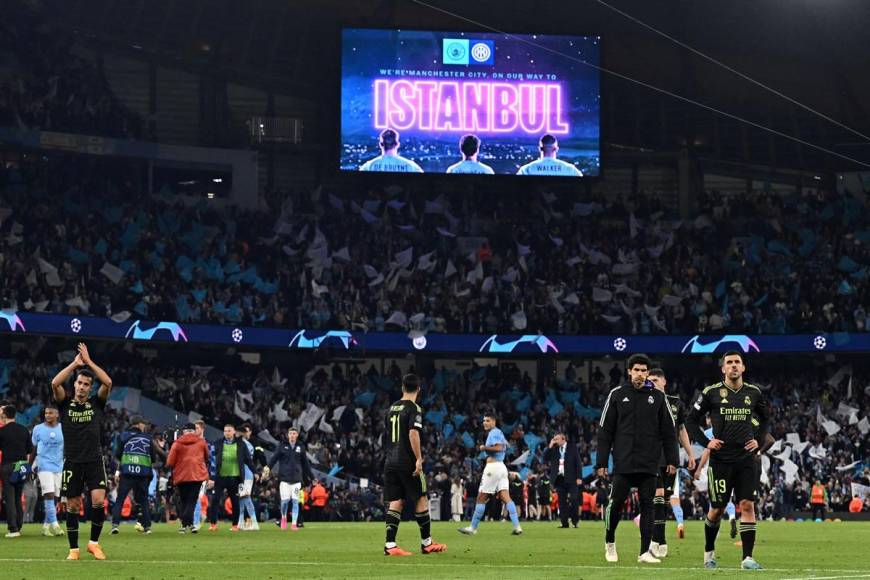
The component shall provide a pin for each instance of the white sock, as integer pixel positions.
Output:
(427, 541)
(389, 545)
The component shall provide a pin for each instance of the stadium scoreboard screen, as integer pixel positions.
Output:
(417, 101)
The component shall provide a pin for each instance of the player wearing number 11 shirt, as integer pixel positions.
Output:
(403, 469)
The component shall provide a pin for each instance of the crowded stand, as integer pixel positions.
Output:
(759, 263)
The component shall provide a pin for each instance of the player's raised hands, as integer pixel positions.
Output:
(83, 353)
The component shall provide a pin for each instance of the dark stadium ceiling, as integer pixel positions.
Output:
(815, 51)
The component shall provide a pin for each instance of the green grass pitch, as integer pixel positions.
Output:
(342, 550)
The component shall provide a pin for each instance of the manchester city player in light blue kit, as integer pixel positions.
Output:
(495, 478)
(389, 160)
(547, 164)
(47, 438)
(470, 147)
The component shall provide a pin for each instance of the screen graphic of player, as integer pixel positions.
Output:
(548, 164)
(470, 147)
(389, 160)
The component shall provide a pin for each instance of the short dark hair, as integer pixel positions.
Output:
(491, 415)
(246, 427)
(731, 353)
(229, 425)
(657, 372)
(638, 359)
(469, 145)
(389, 138)
(548, 141)
(410, 383)
(292, 428)
(50, 406)
(85, 372)
(9, 411)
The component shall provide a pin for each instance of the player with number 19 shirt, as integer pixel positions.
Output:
(739, 414)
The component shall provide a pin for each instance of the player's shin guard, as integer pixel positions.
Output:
(660, 515)
(425, 523)
(295, 514)
(50, 511)
(393, 520)
(478, 515)
(711, 530)
(747, 536)
(512, 512)
(72, 529)
(98, 516)
(678, 513)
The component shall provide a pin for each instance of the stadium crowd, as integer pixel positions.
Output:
(340, 410)
(760, 263)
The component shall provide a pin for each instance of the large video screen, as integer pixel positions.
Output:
(417, 101)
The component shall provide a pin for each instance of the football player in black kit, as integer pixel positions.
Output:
(665, 482)
(734, 406)
(403, 469)
(81, 418)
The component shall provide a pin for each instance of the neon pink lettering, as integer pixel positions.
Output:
(480, 107)
(448, 116)
(404, 98)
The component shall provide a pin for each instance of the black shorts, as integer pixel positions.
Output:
(740, 476)
(79, 475)
(665, 480)
(403, 485)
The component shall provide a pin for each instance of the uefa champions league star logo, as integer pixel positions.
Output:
(12, 318)
(620, 344)
(744, 342)
(75, 325)
(542, 342)
(138, 334)
(481, 52)
(237, 335)
(301, 341)
(820, 342)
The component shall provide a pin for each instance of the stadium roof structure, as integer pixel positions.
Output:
(814, 52)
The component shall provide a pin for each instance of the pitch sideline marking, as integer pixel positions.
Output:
(440, 565)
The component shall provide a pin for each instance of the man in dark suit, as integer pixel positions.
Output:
(564, 460)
